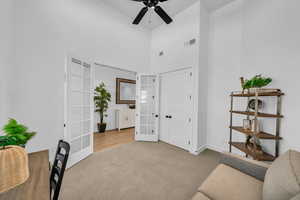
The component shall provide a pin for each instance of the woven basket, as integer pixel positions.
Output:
(13, 167)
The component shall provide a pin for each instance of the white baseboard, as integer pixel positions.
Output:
(215, 148)
(199, 150)
(208, 146)
(202, 148)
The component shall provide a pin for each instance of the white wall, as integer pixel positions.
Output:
(173, 39)
(248, 38)
(46, 31)
(6, 56)
(108, 76)
(224, 71)
(202, 77)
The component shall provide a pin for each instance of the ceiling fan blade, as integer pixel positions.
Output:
(162, 0)
(140, 16)
(163, 14)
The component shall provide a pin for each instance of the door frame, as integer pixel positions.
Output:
(66, 100)
(194, 109)
(111, 67)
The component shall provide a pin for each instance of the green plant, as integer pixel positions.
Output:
(15, 134)
(257, 81)
(102, 98)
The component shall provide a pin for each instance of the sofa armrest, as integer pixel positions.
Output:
(252, 168)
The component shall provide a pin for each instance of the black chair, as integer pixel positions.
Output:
(58, 168)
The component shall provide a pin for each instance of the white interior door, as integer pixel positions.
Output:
(79, 109)
(176, 108)
(164, 109)
(147, 108)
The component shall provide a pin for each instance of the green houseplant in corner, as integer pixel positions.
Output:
(15, 134)
(102, 98)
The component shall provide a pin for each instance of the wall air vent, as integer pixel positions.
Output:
(86, 65)
(74, 60)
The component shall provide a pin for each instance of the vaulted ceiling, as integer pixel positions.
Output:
(172, 7)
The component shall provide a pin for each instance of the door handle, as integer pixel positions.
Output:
(167, 116)
(170, 117)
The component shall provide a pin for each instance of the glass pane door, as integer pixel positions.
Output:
(147, 108)
(79, 110)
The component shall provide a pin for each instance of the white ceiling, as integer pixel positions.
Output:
(172, 7)
(215, 4)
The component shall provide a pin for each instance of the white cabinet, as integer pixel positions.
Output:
(125, 118)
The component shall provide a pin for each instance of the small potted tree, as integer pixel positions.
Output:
(102, 98)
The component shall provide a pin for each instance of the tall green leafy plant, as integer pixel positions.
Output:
(15, 134)
(101, 98)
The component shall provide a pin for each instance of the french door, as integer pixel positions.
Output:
(79, 109)
(147, 108)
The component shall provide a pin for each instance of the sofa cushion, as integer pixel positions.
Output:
(282, 178)
(297, 197)
(226, 183)
(200, 196)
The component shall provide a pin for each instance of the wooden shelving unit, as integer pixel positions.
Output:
(250, 150)
(261, 94)
(266, 115)
(261, 157)
(260, 135)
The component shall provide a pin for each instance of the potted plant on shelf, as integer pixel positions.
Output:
(102, 98)
(15, 134)
(257, 81)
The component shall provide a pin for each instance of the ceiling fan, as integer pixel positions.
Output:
(152, 4)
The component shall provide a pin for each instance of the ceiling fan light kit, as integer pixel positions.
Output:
(152, 4)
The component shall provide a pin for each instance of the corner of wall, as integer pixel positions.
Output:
(203, 75)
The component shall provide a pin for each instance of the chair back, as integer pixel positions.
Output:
(58, 168)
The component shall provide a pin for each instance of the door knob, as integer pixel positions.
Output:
(170, 116)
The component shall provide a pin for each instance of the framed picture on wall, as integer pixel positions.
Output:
(126, 91)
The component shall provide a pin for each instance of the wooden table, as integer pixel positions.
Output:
(37, 186)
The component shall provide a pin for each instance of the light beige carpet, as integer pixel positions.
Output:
(138, 171)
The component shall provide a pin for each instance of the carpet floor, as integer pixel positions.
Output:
(138, 171)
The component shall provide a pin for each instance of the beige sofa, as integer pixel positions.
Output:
(238, 178)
